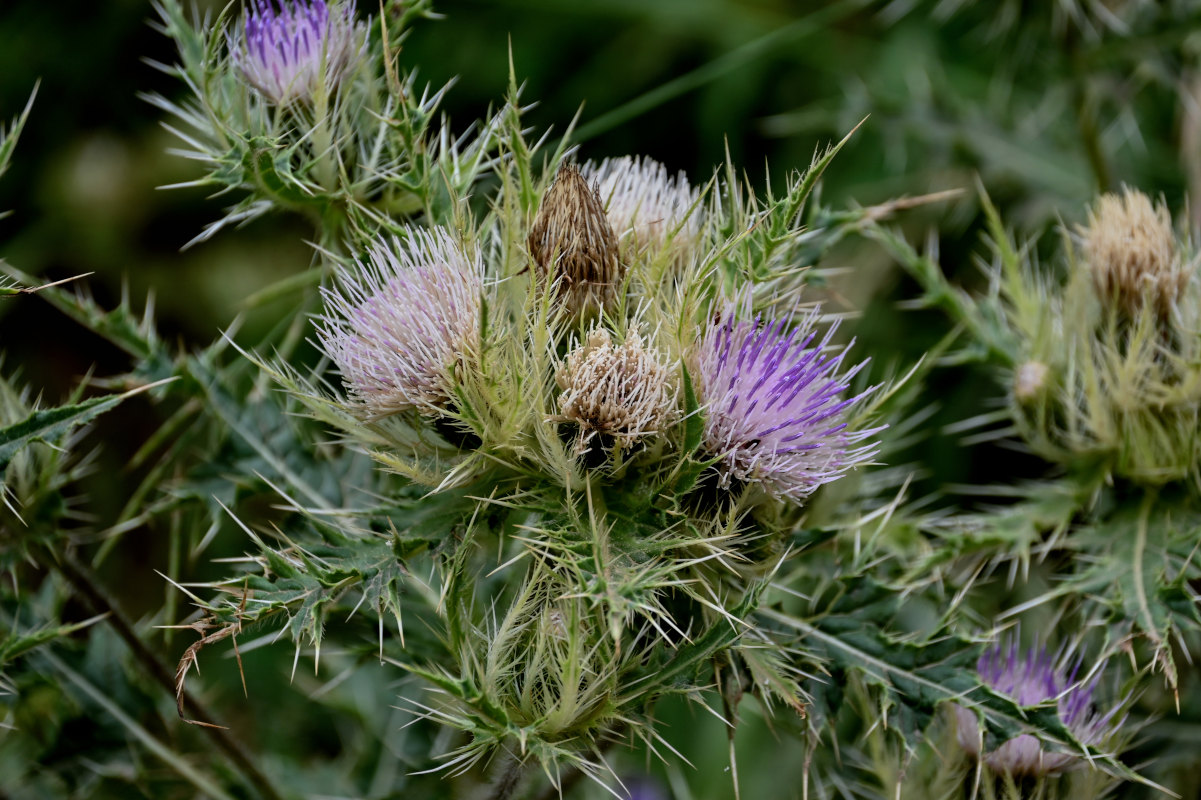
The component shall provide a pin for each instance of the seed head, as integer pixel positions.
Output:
(775, 403)
(402, 320)
(573, 243)
(622, 392)
(1030, 679)
(1132, 253)
(293, 49)
(644, 204)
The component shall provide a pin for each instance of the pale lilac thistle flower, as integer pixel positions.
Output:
(1031, 679)
(402, 320)
(775, 404)
(296, 48)
(644, 203)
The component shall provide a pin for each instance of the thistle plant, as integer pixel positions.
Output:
(537, 459)
(1117, 354)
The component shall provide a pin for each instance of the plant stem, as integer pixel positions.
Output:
(100, 601)
(510, 777)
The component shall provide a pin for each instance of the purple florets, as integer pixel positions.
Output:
(775, 403)
(402, 320)
(293, 49)
(1031, 679)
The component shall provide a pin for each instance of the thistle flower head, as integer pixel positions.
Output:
(645, 204)
(294, 49)
(572, 242)
(1131, 252)
(624, 392)
(402, 319)
(775, 402)
(1030, 679)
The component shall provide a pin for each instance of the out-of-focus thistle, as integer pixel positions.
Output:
(298, 49)
(622, 393)
(402, 320)
(646, 206)
(573, 245)
(1032, 679)
(1131, 250)
(1109, 364)
(776, 410)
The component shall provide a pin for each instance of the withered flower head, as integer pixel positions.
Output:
(573, 244)
(1132, 253)
(622, 392)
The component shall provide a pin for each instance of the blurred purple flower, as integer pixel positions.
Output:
(295, 48)
(775, 404)
(401, 320)
(1031, 679)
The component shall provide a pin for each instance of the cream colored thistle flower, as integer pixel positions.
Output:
(624, 392)
(1131, 251)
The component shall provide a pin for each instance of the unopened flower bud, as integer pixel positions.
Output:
(573, 245)
(1029, 380)
(621, 392)
(1132, 254)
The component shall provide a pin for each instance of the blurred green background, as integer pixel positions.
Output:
(1043, 103)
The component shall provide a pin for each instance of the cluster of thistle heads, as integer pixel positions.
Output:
(405, 326)
(1109, 362)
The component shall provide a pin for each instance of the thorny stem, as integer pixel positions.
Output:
(510, 777)
(1086, 119)
(576, 774)
(100, 601)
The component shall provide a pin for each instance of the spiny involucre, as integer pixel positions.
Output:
(645, 204)
(400, 321)
(296, 49)
(775, 403)
(624, 392)
(1030, 679)
(573, 245)
(1132, 253)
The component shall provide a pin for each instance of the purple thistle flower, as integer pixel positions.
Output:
(775, 404)
(1032, 679)
(294, 49)
(400, 322)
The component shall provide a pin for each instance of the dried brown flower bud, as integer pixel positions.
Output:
(622, 392)
(572, 242)
(1132, 252)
